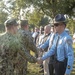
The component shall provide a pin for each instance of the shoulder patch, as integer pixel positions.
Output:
(69, 42)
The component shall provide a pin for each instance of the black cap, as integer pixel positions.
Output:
(11, 22)
(59, 18)
(24, 22)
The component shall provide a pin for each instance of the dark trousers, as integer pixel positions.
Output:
(51, 69)
(60, 67)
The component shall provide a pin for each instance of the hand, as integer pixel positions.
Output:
(39, 60)
(40, 49)
(36, 55)
(66, 74)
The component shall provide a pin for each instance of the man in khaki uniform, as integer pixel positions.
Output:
(46, 35)
(10, 48)
(47, 32)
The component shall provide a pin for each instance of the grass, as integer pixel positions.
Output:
(33, 69)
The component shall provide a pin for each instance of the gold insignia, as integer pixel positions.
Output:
(68, 66)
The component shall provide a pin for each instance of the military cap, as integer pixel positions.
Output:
(10, 22)
(24, 22)
(59, 18)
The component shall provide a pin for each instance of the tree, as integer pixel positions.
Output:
(71, 26)
(53, 7)
(34, 17)
(3, 18)
(44, 21)
(42, 7)
(49, 7)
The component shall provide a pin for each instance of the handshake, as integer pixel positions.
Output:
(39, 60)
(40, 53)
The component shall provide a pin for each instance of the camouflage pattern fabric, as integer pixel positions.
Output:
(27, 41)
(10, 48)
(7, 53)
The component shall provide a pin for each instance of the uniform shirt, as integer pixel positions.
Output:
(64, 50)
(48, 42)
(44, 40)
(27, 40)
(39, 40)
(13, 45)
(44, 45)
(35, 36)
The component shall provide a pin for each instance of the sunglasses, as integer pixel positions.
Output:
(57, 24)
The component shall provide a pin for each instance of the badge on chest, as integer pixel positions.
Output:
(60, 41)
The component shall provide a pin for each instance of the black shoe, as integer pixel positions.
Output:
(41, 65)
(41, 71)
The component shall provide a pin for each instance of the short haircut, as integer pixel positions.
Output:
(24, 23)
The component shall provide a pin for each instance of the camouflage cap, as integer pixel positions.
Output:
(10, 22)
(24, 22)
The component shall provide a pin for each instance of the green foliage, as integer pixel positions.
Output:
(44, 21)
(33, 69)
(34, 17)
(3, 17)
(49, 7)
(53, 7)
(42, 7)
(3, 14)
(71, 25)
(2, 28)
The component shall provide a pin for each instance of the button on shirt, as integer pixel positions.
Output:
(64, 50)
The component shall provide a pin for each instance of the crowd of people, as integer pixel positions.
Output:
(51, 44)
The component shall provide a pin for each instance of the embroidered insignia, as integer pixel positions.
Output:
(69, 42)
(68, 66)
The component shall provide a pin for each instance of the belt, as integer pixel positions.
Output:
(65, 60)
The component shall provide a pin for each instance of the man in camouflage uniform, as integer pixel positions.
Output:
(10, 48)
(26, 39)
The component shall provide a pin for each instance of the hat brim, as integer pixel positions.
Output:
(59, 22)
